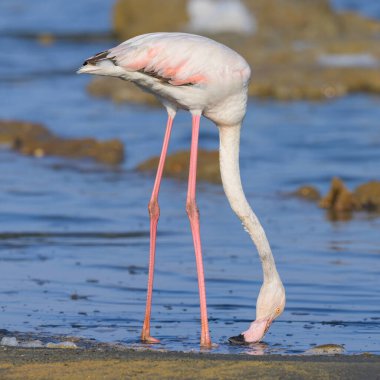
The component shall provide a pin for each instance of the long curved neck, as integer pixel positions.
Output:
(230, 172)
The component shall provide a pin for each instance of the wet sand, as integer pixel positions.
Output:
(16, 363)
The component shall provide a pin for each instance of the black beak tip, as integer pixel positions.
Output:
(238, 339)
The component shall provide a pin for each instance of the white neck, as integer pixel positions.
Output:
(230, 172)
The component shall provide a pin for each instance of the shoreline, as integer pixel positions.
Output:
(112, 363)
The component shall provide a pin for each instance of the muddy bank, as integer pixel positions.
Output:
(297, 49)
(177, 165)
(117, 364)
(36, 140)
(340, 202)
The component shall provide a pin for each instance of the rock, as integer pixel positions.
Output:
(365, 197)
(286, 50)
(131, 18)
(291, 18)
(368, 196)
(66, 344)
(36, 343)
(46, 39)
(9, 341)
(339, 198)
(326, 349)
(177, 165)
(307, 192)
(340, 202)
(36, 140)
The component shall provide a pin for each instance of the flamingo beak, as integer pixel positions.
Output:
(90, 69)
(254, 334)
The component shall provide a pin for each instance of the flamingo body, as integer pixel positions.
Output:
(197, 74)
(183, 70)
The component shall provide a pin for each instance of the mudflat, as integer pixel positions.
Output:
(16, 363)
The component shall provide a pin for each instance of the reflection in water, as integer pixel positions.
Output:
(335, 216)
(257, 349)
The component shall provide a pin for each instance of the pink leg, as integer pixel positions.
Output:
(154, 213)
(193, 213)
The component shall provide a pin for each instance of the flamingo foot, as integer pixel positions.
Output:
(149, 339)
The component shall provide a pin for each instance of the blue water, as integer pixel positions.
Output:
(74, 235)
(368, 8)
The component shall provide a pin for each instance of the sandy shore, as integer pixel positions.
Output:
(17, 363)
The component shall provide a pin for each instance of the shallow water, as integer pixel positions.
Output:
(74, 235)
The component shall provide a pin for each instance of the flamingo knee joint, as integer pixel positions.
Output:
(154, 209)
(192, 209)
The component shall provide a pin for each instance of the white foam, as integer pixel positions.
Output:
(217, 16)
(348, 60)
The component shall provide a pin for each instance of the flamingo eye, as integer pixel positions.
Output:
(277, 310)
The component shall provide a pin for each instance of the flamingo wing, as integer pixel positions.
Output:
(168, 60)
(176, 59)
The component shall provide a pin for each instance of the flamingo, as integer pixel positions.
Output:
(204, 77)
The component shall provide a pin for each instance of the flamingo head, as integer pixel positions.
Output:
(270, 305)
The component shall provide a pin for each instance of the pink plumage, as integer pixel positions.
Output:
(202, 76)
(178, 56)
